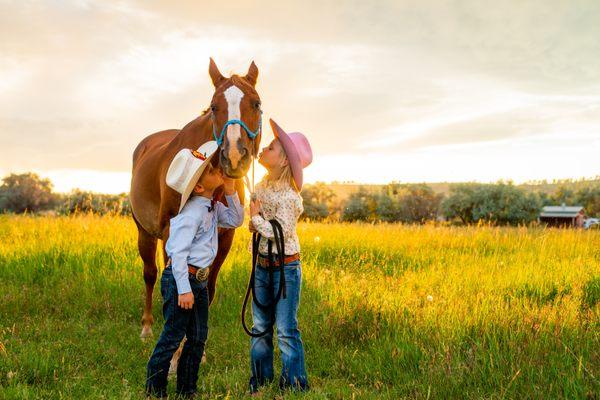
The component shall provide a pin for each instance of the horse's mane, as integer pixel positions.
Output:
(240, 81)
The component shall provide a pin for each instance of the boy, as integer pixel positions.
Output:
(191, 247)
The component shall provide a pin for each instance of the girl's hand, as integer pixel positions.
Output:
(254, 207)
(251, 227)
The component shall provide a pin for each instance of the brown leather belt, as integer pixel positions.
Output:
(201, 274)
(263, 260)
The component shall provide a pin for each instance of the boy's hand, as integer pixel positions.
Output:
(186, 301)
(229, 184)
(254, 207)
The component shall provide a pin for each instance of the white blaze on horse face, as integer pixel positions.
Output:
(233, 95)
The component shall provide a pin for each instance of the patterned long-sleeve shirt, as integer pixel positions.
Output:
(193, 235)
(285, 205)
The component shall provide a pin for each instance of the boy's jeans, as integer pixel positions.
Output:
(293, 372)
(179, 323)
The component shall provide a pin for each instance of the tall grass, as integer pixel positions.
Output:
(387, 311)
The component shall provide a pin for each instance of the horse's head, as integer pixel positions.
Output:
(235, 100)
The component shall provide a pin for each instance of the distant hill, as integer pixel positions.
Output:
(551, 187)
(343, 189)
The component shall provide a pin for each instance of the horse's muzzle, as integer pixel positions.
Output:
(241, 168)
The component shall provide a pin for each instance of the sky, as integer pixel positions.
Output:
(409, 91)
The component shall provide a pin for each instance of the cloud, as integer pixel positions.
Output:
(486, 113)
(86, 79)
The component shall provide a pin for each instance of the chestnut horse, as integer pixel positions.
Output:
(154, 203)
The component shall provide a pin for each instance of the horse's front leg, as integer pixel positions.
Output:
(147, 250)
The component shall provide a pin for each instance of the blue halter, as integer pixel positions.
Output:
(251, 134)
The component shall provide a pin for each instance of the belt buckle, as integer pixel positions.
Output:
(202, 274)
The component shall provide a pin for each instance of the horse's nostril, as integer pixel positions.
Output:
(224, 161)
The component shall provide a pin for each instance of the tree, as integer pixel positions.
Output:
(461, 202)
(500, 203)
(407, 203)
(505, 204)
(26, 192)
(589, 198)
(418, 203)
(387, 209)
(360, 206)
(319, 201)
(563, 195)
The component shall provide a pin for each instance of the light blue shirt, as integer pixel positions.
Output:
(193, 237)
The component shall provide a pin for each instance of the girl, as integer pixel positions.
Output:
(277, 196)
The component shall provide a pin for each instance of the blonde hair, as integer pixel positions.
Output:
(284, 180)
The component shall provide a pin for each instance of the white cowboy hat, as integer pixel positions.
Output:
(187, 167)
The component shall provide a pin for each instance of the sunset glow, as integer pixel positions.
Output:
(382, 95)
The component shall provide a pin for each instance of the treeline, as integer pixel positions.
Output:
(28, 192)
(500, 203)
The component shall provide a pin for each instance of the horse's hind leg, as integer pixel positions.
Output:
(147, 250)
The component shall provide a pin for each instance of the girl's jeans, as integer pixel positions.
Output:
(284, 316)
(179, 323)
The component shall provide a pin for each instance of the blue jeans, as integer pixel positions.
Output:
(179, 323)
(285, 317)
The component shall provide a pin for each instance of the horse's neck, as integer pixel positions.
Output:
(194, 134)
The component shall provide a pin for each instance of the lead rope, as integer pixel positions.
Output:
(281, 292)
(280, 244)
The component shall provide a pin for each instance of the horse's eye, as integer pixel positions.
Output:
(257, 105)
(213, 108)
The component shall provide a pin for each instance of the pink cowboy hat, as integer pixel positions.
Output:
(296, 148)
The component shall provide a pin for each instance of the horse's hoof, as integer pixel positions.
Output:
(146, 332)
(203, 360)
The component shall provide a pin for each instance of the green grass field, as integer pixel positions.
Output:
(387, 311)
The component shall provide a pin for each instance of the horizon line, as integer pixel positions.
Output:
(64, 188)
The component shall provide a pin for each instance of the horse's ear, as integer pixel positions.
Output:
(252, 74)
(214, 73)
